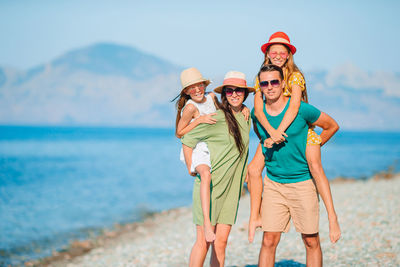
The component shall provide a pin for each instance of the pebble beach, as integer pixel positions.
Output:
(368, 212)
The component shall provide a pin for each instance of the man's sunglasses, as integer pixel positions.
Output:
(274, 83)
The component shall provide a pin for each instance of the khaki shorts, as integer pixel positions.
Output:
(281, 202)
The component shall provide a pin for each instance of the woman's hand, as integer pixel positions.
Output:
(277, 136)
(207, 118)
(268, 143)
(246, 112)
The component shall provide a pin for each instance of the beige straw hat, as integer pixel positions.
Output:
(234, 78)
(192, 76)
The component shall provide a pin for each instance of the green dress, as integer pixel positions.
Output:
(228, 168)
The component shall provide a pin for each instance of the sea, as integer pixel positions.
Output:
(59, 184)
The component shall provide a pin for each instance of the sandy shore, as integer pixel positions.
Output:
(369, 215)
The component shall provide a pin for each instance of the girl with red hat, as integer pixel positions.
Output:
(279, 51)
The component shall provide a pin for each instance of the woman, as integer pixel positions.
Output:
(279, 51)
(228, 141)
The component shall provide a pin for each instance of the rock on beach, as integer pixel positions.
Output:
(369, 216)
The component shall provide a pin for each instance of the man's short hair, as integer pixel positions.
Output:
(270, 68)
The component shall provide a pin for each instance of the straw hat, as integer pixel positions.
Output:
(279, 38)
(234, 78)
(192, 76)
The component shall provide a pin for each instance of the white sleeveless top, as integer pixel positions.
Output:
(204, 108)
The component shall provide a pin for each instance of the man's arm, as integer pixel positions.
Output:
(329, 127)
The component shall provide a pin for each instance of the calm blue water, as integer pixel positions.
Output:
(59, 184)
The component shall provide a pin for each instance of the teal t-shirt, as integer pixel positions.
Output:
(286, 162)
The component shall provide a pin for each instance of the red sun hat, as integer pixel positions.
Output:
(279, 38)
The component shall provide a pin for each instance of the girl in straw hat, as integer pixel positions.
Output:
(279, 51)
(228, 142)
(194, 107)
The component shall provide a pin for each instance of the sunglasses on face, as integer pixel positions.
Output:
(275, 54)
(192, 89)
(239, 91)
(273, 83)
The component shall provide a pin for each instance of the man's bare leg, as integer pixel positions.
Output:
(268, 249)
(313, 250)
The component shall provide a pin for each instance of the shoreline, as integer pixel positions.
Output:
(135, 231)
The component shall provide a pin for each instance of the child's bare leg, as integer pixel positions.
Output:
(205, 176)
(254, 173)
(199, 249)
(313, 154)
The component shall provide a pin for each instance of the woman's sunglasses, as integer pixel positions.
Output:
(239, 91)
(274, 83)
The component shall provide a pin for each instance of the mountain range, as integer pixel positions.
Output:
(107, 84)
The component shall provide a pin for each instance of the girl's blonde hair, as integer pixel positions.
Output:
(288, 68)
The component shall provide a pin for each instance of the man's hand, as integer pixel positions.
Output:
(334, 230)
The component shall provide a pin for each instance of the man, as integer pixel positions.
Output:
(289, 191)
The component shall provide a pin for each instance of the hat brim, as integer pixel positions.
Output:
(220, 88)
(265, 46)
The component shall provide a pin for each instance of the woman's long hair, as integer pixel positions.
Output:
(180, 103)
(288, 68)
(233, 125)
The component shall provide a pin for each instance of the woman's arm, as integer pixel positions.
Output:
(185, 126)
(293, 108)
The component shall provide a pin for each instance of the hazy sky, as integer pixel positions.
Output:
(215, 36)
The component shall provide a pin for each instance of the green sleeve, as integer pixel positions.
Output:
(309, 112)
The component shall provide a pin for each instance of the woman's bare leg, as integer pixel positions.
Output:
(219, 246)
(255, 185)
(199, 249)
(313, 154)
(205, 176)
